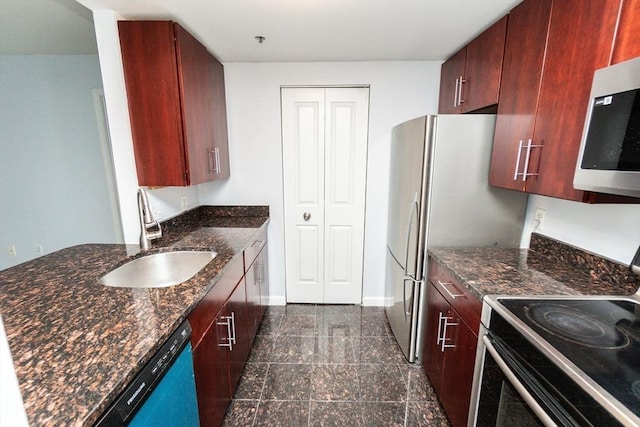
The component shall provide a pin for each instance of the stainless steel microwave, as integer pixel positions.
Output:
(609, 159)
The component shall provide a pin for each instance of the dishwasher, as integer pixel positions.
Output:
(163, 393)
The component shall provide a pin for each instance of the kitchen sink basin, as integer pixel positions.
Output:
(158, 270)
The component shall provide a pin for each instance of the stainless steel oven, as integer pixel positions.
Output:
(557, 361)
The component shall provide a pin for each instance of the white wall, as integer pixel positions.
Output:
(53, 190)
(399, 91)
(115, 95)
(611, 231)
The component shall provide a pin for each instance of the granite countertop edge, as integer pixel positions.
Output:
(77, 344)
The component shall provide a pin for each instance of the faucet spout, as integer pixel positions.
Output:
(146, 222)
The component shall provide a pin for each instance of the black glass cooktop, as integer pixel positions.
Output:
(600, 337)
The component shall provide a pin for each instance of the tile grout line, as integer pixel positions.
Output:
(355, 352)
(264, 381)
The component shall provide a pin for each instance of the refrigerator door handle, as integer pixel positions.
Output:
(414, 281)
(414, 210)
(404, 297)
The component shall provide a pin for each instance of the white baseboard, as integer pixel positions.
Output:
(377, 301)
(366, 301)
(277, 300)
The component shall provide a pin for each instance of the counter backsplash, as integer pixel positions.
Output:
(596, 266)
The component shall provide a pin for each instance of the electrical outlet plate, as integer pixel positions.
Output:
(538, 220)
(184, 203)
(155, 210)
(12, 250)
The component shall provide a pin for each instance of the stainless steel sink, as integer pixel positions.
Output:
(158, 270)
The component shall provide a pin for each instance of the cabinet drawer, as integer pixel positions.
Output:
(467, 305)
(251, 253)
(205, 312)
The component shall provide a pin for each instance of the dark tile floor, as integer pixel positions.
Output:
(328, 365)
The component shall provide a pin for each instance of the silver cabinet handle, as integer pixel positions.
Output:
(259, 273)
(217, 156)
(444, 286)
(443, 324)
(214, 160)
(306, 216)
(233, 328)
(516, 173)
(258, 244)
(230, 339)
(526, 162)
(525, 172)
(460, 100)
(455, 95)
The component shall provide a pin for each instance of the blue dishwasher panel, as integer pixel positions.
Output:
(164, 391)
(173, 402)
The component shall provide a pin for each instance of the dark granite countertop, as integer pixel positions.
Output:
(549, 267)
(75, 343)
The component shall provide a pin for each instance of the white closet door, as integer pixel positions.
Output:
(347, 122)
(303, 159)
(324, 134)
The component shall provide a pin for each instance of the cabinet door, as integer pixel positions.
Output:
(253, 298)
(211, 373)
(627, 44)
(459, 361)
(219, 119)
(175, 91)
(239, 352)
(196, 93)
(483, 68)
(153, 93)
(262, 267)
(580, 38)
(257, 290)
(451, 75)
(521, 77)
(433, 356)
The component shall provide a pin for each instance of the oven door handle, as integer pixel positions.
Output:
(515, 382)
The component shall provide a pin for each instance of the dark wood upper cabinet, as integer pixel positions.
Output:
(627, 44)
(580, 39)
(451, 74)
(520, 87)
(470, 79)
(483, 68)
(175, 91)
(551, 52)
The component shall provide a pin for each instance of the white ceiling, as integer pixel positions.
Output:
(295, 30)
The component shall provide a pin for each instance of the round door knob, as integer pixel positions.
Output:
(306, 216)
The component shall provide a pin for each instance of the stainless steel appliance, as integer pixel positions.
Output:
(439, 196)
(566, 361)
(609, 159)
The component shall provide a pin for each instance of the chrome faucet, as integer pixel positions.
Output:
(146, 222)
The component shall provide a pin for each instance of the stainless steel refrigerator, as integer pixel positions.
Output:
(439, 196)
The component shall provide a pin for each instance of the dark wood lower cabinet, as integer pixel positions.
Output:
(450, 345)
(212, 374)
(238, 352)
(224, 325)
(433, 358)
(257, 290)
